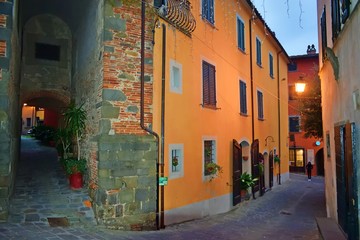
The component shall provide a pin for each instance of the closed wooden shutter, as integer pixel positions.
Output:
(209, 85)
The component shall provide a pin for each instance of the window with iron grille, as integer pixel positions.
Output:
(243, 103)
(271, 65)
(208, 10)
(294, 124)
(240, 33)
(176, 160)
(260, 105)
(209, 85)
(209, 154)
(258, 52)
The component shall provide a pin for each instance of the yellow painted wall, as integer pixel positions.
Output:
(187, 122)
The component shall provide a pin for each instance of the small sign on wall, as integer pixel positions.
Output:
(163, 181)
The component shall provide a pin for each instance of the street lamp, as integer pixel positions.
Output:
(300, 85)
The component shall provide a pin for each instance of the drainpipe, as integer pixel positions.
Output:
(163, 60)
(142, 96)
(251, 83)
(279, 116)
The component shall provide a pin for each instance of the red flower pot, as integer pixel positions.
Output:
(76, 180)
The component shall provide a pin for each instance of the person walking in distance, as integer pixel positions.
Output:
(309, 167)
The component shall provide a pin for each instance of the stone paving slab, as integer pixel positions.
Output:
(263, 218)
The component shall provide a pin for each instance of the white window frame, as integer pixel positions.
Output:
(180, 168)
(208, 138)
(175, 87)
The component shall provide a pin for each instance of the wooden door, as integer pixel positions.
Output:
(237, 171)
(271, 169)
(255, 166)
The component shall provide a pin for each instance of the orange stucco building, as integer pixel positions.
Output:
(303, 68)
(225, 83)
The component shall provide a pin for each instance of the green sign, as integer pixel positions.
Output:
(163, 181)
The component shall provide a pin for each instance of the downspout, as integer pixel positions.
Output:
(142, 95)
(163, 61)
(279, 116)
(252, 100)
(251, 83)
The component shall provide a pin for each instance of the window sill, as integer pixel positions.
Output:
(210, 107)
(244, 114)
(208, 22)
(259, 65)
(261, 119)
(242, 50)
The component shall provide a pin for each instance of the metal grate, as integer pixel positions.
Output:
(59, 222)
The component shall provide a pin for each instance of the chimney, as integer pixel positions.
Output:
(311, 49)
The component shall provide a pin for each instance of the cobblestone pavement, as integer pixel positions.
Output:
(286, 212)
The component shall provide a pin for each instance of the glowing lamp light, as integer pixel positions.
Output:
(300, 87)
(25, 104)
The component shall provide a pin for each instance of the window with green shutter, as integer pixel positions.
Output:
(243, 104)
(241, 33)
(260, 105)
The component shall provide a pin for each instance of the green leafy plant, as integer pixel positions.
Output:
(276, 159)
(75, 117)
(213, 170)
(246, 181)
(74, 165)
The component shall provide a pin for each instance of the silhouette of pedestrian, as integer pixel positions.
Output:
(309, 167)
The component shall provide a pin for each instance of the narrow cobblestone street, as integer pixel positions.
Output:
(286, 212)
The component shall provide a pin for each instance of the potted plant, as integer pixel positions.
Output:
(75, 169)
(213, 170)
(69, 137)
(246, 181)
(276, 159)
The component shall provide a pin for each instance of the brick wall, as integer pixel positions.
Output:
(122, 68)
(125, 196)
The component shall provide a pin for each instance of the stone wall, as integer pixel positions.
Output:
(87, 78)
(39, 73)
(125, 194)
(9, 104)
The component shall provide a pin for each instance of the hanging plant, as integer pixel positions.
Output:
(212, 169)
(175, 161)
(276, 159)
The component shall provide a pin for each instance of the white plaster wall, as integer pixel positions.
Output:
(337, 95)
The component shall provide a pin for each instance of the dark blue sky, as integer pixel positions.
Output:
(295, 25)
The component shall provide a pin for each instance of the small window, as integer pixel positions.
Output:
(158, 3)
(175, 77)
(258, 52)
(243, 103)
(294, 124)
(47, 51)
(209, 85)
(271, 65)
(176, 160)
(292, 67)
(28, 122)
(240, 33)
(208, 10)
(260, 105)
(209, 154)
(323, 34)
